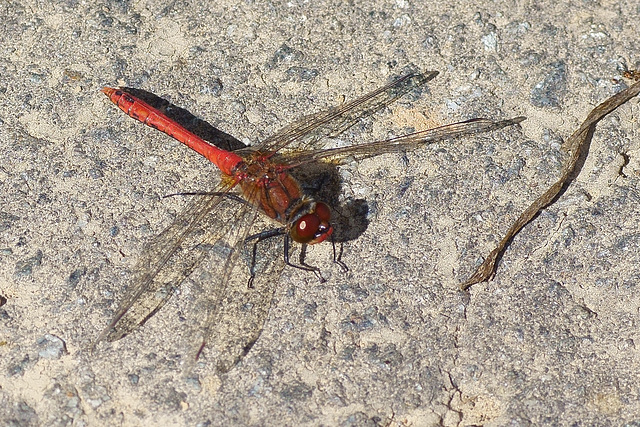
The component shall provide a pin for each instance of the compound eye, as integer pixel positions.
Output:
(305, 229)
(313, 227)
(323, 212)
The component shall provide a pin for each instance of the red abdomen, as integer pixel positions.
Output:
(140, 110)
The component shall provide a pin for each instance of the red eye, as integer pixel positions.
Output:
(313, 227)
(307, 226)
(323, 212)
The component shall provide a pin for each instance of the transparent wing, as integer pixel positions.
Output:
(236, 318)
(409, 141)
(305, 132)
(173, 255)
(212, 228)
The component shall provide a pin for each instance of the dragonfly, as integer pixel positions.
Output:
(257, 181)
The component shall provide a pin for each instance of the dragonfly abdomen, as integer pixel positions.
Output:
(134, 107)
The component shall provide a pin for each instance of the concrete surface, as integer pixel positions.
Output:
(550, 341)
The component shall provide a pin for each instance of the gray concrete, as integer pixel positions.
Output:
(550, 341)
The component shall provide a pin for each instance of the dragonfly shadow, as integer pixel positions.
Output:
(187, 120)
(351, 220)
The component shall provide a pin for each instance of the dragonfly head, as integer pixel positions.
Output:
(312, 227)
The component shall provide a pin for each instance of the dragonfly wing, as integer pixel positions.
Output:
(235, 319)
(305, 132)
(410, 141)
(168, 261)
(233, 313)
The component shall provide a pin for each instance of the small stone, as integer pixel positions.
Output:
(51, 347)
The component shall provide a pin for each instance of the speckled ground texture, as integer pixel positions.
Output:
(552, 340)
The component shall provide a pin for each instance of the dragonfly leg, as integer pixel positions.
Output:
(303, 265)
(257, 238)
(337, 258)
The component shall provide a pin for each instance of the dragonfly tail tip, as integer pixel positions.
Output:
(107, 91)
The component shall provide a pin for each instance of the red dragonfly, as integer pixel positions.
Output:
(257, 179)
